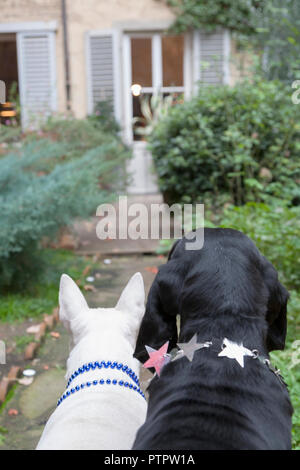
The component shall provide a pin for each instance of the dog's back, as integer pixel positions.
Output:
(103, 405)
(210, 405)
(227, 289)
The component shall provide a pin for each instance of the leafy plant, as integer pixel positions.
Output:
(242, 140)
(22, 341)
(236, 15)
(153, 108)
(277, 40)
(103, 117)
(42, 295)
(41, 191)
(275, 231)
(270, 28)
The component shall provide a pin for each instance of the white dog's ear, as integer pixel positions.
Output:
(72, 303)
(132, 299)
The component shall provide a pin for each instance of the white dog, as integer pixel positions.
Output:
(103, 406)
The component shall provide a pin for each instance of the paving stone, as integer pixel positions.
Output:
(41, 333)
(31, 350)
(34, 401)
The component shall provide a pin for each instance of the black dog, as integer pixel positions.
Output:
(227, 289)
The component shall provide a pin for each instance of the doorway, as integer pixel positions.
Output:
(154, 65)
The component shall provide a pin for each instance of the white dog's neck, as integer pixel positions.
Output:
(89, 350)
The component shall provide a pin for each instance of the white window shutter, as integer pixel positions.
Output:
(102, 69)
(211, 57)
(37, 75)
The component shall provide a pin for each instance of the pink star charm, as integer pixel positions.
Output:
(158, 358)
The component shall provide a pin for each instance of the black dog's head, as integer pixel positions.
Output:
(226, 281)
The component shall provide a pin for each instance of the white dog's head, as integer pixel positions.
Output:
(102, 325)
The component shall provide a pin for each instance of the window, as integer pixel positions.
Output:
(141, 61)
(172, 61)
(157, 63)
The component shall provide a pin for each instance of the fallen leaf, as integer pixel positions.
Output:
(89, 287)
(86, 270)
(152, 269)
(33, 329)
(55, 334)
(13, 412)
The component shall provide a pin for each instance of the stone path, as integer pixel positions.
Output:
(35, 403)
(144, 208)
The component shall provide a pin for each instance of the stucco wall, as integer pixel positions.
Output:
(19, 11)
(95, 15)
(84, 16)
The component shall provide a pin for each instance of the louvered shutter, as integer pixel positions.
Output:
(37, 75)
(211, 57)
(101, 69)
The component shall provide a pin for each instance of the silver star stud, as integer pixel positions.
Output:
(191, 347)
(235, 351)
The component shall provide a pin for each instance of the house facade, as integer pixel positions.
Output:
(69, 55)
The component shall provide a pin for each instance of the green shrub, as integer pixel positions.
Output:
(78, 135)
(243, 140)
(37, 203)
(103, 116)
(8, 135)
(236, 15)
(275, 231)
(42, 295)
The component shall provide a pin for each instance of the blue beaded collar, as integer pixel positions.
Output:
(100, 365)
(106, 365)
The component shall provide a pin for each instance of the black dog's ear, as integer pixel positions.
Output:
(277, 309)
(277, 318)
(157, 326)
(163, 304)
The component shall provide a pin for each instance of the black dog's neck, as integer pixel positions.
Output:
(248, 330)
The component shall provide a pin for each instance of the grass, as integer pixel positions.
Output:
(3, 431)
(23, 341)
(43, 296)
(9, 396)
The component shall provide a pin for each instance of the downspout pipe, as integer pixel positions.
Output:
(66, 53)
